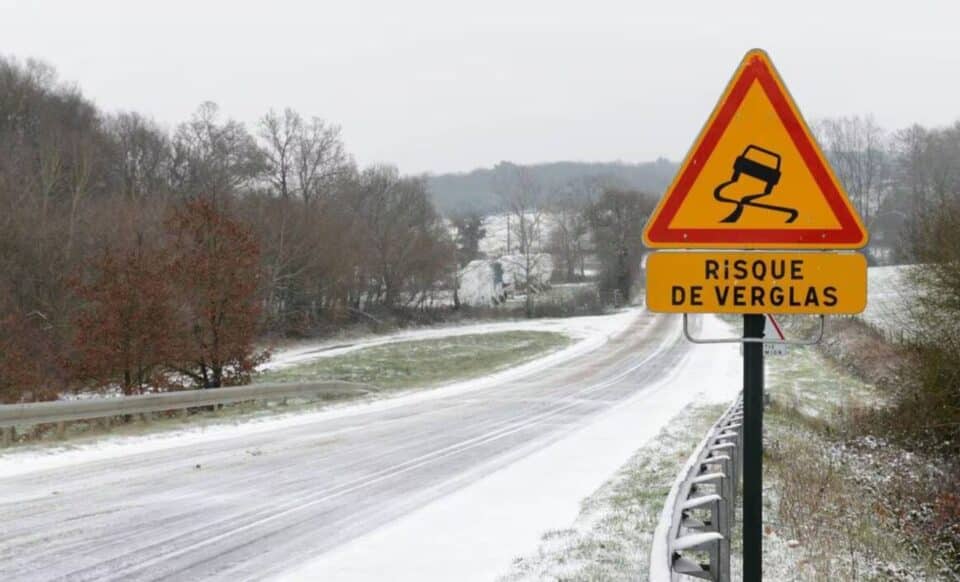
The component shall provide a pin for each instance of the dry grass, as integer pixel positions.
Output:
(835, 521)
(839, 502)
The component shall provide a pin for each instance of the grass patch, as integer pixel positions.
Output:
(425, 362)
(611, 537)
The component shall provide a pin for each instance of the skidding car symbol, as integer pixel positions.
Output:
(755, 161)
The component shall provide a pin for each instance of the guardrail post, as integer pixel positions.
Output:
(732, 436)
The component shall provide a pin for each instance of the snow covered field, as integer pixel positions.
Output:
(887, 297)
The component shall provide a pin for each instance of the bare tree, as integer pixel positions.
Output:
(279, 135)
(142, 155)
(521, 197)
(856, 147)
(616, 221)
(214, 159)
(321, 159)
(928, 183)
(568, 237)
(406, 245)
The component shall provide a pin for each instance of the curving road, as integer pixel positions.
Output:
(252, 505)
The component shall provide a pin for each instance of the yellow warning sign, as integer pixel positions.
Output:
(756, 282)
(755, 177)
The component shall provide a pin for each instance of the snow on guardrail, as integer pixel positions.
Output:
(59, 411)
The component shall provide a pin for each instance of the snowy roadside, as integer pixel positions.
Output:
(841, 536)
(611, 537)
(589, 334)
(825, 494)
(477, 532)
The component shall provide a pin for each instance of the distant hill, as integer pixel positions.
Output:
(478, 191)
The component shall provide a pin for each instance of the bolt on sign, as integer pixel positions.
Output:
(755, 179)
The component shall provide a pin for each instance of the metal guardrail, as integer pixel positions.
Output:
(60, 411)
(693, 538)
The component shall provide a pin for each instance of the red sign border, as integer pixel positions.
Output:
(756, 68)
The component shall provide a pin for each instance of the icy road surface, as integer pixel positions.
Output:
(254, 504)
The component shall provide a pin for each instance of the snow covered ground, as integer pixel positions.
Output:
(477, 544)
(248, 502)
(827, 498)
(588, 332)
(475, 533)
(611, 538)
(887, 297)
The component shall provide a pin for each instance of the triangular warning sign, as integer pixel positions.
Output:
(755, 177)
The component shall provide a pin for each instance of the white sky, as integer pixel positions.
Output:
(441, 85)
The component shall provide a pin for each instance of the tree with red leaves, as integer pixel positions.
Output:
(214, 270)
(29, 370)
(123, 334)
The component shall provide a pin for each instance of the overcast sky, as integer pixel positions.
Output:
(445, 86)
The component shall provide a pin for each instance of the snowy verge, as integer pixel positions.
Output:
(612, 537)
(832, 499)
(590, 332)
(475, 532)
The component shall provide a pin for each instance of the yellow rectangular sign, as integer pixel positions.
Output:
(756, 282)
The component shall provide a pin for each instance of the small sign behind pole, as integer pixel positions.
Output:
(772, 330)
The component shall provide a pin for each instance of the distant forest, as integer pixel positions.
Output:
(481, 191)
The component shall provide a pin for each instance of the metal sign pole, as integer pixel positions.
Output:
(752, 449)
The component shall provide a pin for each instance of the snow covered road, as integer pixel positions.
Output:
(274, 501)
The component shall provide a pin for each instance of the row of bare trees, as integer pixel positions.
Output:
(132, 256)
(928, 176)
(895, 179)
